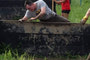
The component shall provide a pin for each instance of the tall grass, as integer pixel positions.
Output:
(10, 56)
(15, 56)
(77, 11)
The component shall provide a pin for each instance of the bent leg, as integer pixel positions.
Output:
(56, 18)
(61, 19)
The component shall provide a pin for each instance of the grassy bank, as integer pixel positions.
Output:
(77, 11)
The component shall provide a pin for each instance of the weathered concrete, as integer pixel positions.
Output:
(47, 39)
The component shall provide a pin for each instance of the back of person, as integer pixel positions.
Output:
(66, 5)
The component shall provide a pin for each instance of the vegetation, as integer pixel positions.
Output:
(77, 11)
(8, 55)
(14, 56)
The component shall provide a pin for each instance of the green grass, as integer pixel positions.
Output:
(77, 11)
(8, 55)
(15, 56)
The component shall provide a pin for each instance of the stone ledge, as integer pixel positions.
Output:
(51, 39)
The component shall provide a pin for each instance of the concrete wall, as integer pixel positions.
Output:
(46, 39)
(12, 9)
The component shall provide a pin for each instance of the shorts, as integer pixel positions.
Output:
(66, 11)
(56, 18)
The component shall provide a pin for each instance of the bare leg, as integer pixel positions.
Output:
(65, 15)
(85, 18)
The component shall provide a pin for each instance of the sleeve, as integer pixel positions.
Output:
(42, 4)
(28, 14)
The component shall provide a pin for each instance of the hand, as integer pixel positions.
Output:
(33, 18)
(20, 20)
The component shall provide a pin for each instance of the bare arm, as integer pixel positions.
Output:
(88, 13)
(23, 19)
(59, 2)
(43, 10)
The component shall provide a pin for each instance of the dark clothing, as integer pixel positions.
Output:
(66, 11)
(70, 1)
(56, 18)
(34, 0)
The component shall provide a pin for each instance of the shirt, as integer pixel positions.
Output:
(66, 5)
(40, 4)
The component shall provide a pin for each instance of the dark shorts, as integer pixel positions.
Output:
(56, 18)
(66, 11)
